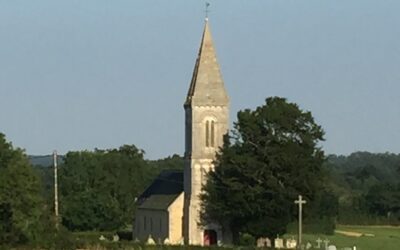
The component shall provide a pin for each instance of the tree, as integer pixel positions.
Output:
(271, 156)
(384, 200)
(98, 189)
(20, 200)
(364, 183)
(171, 162)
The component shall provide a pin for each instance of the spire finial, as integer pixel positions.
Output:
(207, 10)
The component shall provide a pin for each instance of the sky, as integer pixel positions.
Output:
(79, 75)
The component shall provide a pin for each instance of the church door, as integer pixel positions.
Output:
(210, 237)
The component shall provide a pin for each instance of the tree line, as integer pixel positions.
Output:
(368, 187)
(97, 191)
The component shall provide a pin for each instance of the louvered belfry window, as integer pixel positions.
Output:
(210, 133)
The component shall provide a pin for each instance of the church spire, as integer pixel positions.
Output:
(206, 123)
(207, 87)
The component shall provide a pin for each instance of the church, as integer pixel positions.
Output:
(168, 211)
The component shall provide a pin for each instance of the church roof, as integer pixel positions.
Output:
(163, 191)
(158, 202)
(207, 87)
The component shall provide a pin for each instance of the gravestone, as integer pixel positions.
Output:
(150, 241)
(264, 242)
(260, 242)
(166, 241)
(268, 242)
(278, 243)
(326, 242)
(115, 238)
(332, 247)
(291, 243)
(319, 241)
(308, 245)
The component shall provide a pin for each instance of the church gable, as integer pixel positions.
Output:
(160, 209)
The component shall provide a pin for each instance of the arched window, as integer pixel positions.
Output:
(207, 134)
(210, 133)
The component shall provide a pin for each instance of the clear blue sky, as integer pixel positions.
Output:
(77, 75)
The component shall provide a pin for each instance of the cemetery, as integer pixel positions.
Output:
(385, 237)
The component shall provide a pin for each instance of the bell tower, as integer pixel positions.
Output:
(206, 122)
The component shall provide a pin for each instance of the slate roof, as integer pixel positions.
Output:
(163, 191)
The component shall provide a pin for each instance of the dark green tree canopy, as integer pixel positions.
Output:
(271, 156)
(367, 185)
(20, 201)
(98, 188)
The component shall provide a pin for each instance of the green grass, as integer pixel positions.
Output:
(385, 238)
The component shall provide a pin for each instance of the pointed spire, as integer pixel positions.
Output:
(207, 87)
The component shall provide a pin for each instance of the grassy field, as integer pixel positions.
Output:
(364, 237)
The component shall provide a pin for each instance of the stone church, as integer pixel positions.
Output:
(169, 209)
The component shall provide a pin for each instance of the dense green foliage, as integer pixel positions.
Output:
(368, 187)
(270, 158)
(44, 160)
(98, 189)
(171, 162)
(20, 200)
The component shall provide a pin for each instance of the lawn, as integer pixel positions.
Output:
(369, 237)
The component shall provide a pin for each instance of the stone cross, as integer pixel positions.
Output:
(326, 242)
(300, 202)
(319, 241)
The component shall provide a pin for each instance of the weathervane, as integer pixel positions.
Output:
(207, 10)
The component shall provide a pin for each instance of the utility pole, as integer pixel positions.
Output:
(300, 203)
(55, 188)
